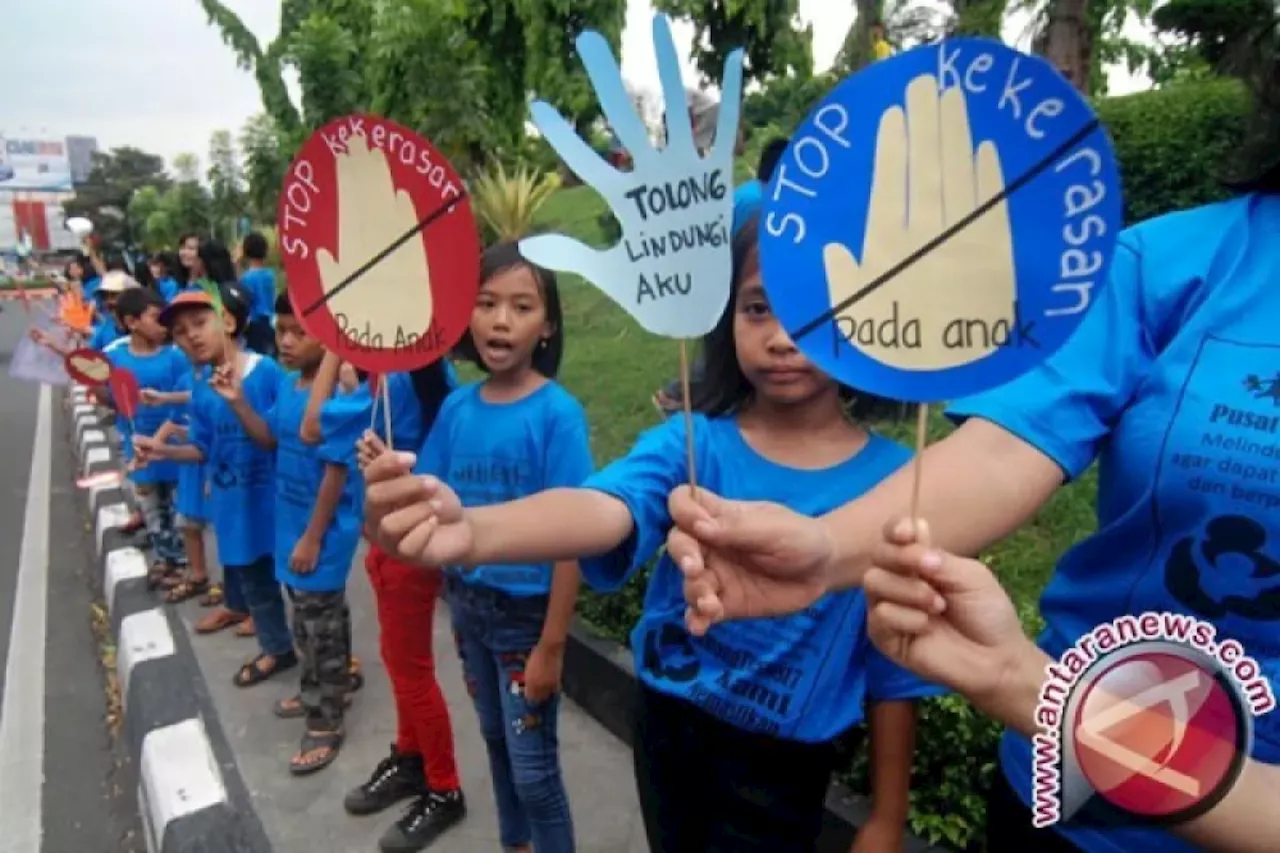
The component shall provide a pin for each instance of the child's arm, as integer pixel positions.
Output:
(50, 342)
(546, 661)
(306, 553)
(148, 448)
(893, 738)
(152, 397)
(321, 390)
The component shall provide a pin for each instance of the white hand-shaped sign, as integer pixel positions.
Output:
(672, 268)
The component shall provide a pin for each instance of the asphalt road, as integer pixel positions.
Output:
(64, 782)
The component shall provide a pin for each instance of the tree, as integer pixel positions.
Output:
(769, 31)
(458, 72)
(907, 23)
(978, 17)
(186, 167)
(265, 165)
(1218, 36)
(105, 196)
(226, 185)
(1082, 37)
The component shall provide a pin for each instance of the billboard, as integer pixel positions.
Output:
(34, 164)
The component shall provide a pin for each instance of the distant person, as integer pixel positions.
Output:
(165, 268)
(260, 280)
(880, 47)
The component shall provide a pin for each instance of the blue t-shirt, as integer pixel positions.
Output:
(105, 332)
(747, 200)
(492, 453)
(90, 288)
(801, 677)
(1169, 385)
(168, 288)
(241, 475)
(162, 370)
(300, 468)
(261, 282)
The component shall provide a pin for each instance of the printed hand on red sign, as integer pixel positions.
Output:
(395, 293)
(927, 178)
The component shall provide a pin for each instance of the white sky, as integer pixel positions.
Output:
(154, 74)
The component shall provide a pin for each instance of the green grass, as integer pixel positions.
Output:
(614, 367)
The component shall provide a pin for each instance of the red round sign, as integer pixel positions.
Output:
(379, 245)
(88, 367)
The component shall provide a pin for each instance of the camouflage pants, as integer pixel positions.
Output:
(322, 634)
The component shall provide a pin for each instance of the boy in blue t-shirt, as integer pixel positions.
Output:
(160, 367)
(241, 476)
(260, 280)
(317, 531)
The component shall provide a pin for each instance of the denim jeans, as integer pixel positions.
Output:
(266, 605)
(156, 502)
(495, 633)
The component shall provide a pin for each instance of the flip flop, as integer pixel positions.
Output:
(252, 672)
(213, 597)
(331, 742)
(246, 628)
(219, 620)
(291, 708)
(186, 589)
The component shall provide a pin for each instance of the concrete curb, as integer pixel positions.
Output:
(599, 675)
(190, 796)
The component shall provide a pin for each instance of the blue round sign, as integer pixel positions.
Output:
(941, 222)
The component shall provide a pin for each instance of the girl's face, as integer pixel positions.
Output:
(509, 321)
(189, 253)
(75, 271)
(769, 359)
(158, 272)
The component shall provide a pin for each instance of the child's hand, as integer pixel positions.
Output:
(227, 382)
(417, 518)
(542, 673)
(150, 397)
(305, 556)
(39, 336)
(945, 618)
(145, 449)
(368, 448)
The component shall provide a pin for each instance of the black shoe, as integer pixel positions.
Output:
(429, 816)
(397, 777)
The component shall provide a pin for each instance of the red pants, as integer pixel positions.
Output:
(406, 597)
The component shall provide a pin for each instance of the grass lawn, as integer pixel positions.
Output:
(614, 367)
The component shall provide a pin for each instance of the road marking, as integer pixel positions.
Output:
(22, 713)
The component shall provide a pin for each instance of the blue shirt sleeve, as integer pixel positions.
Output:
(1066, 406)
(199, 423)
(888, 682)
(643, 479)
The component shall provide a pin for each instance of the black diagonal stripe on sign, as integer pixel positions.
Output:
(1021, 181)
(381, 256)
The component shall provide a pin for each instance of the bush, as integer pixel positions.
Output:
(1174, 144)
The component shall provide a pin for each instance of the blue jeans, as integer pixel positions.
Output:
(261, 592)
(495, 633)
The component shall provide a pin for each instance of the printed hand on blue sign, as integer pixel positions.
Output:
(927, 179)
(672, 268)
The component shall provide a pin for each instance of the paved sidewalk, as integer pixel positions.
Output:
(305, 815)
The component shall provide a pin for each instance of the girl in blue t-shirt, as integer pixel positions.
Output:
(512, 435)
(736, 730)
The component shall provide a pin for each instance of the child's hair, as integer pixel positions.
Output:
(134, 302)
(499, 258)
(724, 388)
(235, 301)
(254, 246)
(168, 260)
(217, 262)
(284, 305)
(769, 157)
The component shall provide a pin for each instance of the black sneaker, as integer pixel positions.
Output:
(429, 816)
(397, 777)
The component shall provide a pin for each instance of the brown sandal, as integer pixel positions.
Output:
(162, 575)
(185, 589)
(219, 620)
